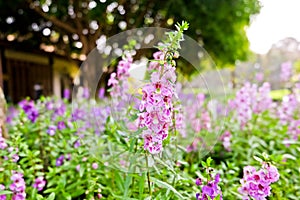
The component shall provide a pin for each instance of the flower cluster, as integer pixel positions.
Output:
(156, 107)
(211, 190)
(294, 129)
(39, 183)
(288, 108)
(225, 138)
(199, 117)
(286, 71)
(256, 184)
(117, 79)
(18, 186)
(30, 110)
(179, 120)
(251, 99)
(59, 109)
(4, 146)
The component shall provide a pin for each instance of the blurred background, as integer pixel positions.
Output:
(44, 42)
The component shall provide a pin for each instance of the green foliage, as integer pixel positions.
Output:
(217, 24)
(261, 140)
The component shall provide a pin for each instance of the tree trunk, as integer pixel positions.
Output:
(3, 114)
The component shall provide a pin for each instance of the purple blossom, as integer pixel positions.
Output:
(194, 146)
(78, 114)
(249, 100)
(60, 109)
(198, 181)
(112, 80)
(123, 67)
(86, 93)
(101, 93)
(211, 189)
(2, 196)
(256, 184)
(179, 120)
(95, 166)
(51, 130)
(259, 77)
(289, 106)
(197, 115)
(156, 108)
(117, 79)
(159, 55)
(19, 196)
(60, 160)
(39, 183)
(30, 110)
(18, 186)
(272, 174)
(15, 157)
(11, 114)
(286, 71)
(61, 125)
(77, 144)
(49, 105)
(84, 159)
(294, 129)
(67, 93)
(11, 149)
(225, 138)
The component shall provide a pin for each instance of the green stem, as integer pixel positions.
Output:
(135, 150)
(149, 183)
(148, 176)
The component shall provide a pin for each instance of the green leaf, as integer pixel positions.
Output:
(203, 164)
(142, 185)
(50, 190)
(289, 156)
(167, 186)
(51, 196)
(258, 159)
(127, 184)
(5, 192)
(67, 196)
(33, 193)
(81, 171)
(208, 161)
(119, 182)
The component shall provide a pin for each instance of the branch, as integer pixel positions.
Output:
(98, 32)
(53, 19)
(78, 22)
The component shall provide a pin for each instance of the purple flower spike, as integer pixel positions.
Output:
(101, 93)
(67, 93)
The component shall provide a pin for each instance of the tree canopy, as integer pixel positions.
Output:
(72, 27)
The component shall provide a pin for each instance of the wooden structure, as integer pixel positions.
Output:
(21, 70)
